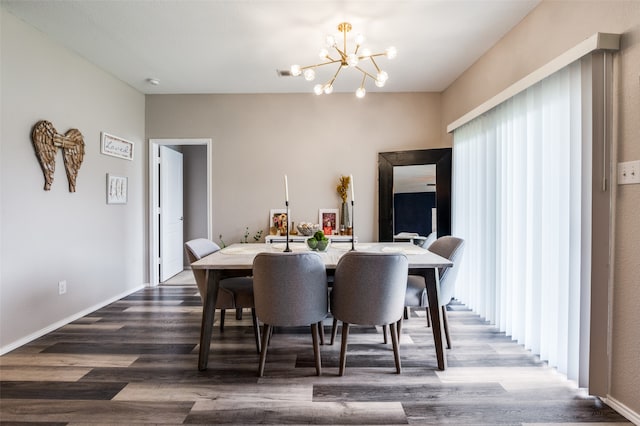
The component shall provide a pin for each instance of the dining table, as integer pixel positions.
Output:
(237, 260)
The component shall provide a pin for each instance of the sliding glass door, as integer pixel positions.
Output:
(522, 200)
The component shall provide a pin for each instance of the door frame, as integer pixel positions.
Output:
(154, 186)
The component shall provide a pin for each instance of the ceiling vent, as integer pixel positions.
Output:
(284, 73)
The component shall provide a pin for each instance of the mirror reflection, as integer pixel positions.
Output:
(414, 203)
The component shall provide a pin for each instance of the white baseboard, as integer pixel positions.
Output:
(627, 412)
(33, 336)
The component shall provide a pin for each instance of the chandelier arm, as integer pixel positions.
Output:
(366, 74)
(360, 58)
(333, 61)
(335, 75)
(375, 64)
(342, 54)
(373, 55)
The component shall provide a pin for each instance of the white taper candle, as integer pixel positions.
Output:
(352, 192)
(286, 189)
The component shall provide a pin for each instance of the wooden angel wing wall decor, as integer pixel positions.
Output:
(46, 141)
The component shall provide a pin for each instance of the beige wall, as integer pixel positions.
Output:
(257, 139)
(552, 28)
(48, 236)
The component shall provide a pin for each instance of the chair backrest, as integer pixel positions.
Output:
(196, 250)
(450, 248)
(369, 288)
(290, 289)
(431, 238)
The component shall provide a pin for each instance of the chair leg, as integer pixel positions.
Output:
(445, 324)
(406, 312)
(396, 347)
(343, 348)
(316, 348)
(321, 332)
(384, 333)
(399, 327)
(428, 316)
(256, 328)
(238, 314)
(222, 311)
(334, 330)
(266, 332)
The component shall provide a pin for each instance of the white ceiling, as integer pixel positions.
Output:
(236, 46)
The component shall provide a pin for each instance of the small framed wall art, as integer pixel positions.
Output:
(115, 146)
(117, 189)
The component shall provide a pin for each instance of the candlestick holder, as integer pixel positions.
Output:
(353, 228)
(287, 249)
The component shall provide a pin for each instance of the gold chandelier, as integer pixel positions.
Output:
(346, 60)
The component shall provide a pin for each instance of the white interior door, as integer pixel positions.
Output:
(171, 215)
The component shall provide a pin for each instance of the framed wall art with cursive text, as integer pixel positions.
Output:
(116, 147)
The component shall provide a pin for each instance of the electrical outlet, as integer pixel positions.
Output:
(62, 287)
(629, 172)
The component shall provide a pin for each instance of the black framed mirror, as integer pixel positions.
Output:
(441, 157)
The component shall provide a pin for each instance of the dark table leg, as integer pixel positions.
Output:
(433, 294)
(208, 311)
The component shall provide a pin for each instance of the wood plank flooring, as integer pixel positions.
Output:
(135, 362)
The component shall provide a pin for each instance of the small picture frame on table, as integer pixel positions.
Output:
(329, 220)
(278, 221)
(117, 189)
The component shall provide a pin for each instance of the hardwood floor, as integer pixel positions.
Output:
(135, 361)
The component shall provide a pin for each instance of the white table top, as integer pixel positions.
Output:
(240, 256)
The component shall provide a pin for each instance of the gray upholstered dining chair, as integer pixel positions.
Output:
(233, 293)
(416, 296)
(369, 289)
(290, 289)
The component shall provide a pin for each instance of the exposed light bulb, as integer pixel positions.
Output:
(359, 39)
(380, 83)
(323, 53)
(317, 89)
(391, 52)
(328, 89)
(366, 52)
(352, 60)
(295, 70)
(330, 41)
(360, 92)
(309, 74)
(382, 76)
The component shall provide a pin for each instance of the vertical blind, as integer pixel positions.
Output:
(518, 201)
